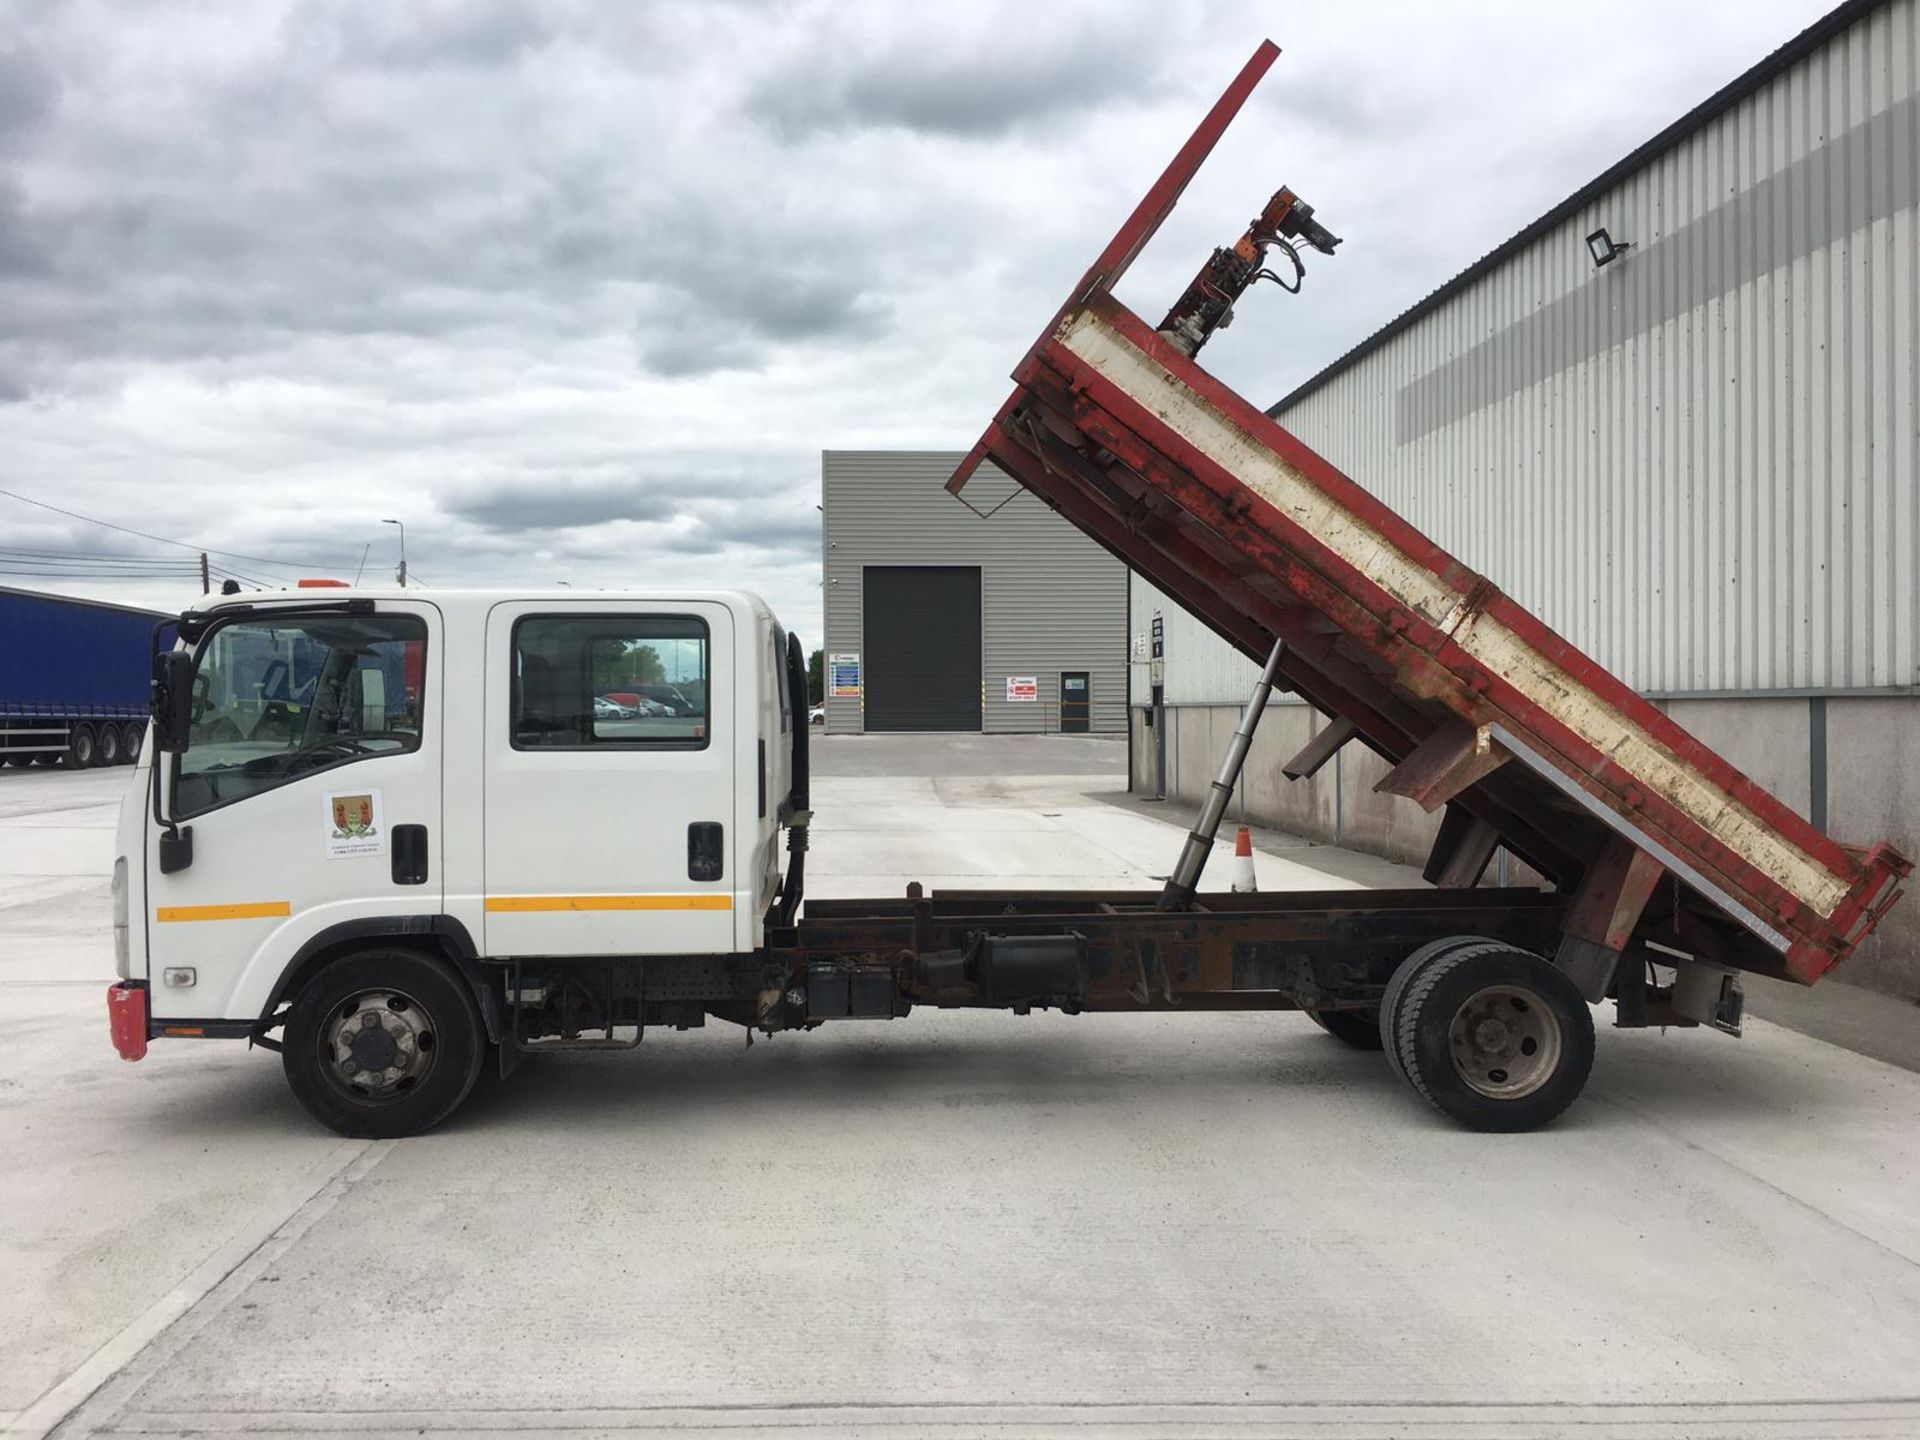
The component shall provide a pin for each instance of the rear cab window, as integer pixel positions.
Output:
(611, 682)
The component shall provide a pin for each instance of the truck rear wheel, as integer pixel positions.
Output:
(383, 1043)
(107, 744)
(1358, 1028)
(1397, 987)
(81, 748)
(1497, 1038)
(132, 737)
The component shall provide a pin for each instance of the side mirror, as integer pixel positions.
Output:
(171, 700)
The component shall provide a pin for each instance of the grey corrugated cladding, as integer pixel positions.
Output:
(1699, 462)
(1052, 599)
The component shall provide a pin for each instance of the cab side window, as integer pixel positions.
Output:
(610, 682)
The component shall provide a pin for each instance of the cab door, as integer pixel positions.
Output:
(609, 779)
(311, 784)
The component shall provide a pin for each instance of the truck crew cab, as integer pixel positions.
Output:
(358, 795)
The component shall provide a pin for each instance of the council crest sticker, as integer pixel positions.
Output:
(355, 824)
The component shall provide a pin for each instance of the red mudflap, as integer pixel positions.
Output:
(127, 1018)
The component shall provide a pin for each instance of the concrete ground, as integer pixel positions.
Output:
(954, 1225)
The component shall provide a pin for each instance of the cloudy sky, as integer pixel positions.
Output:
(580, 291)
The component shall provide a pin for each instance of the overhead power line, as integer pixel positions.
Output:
(181, 544)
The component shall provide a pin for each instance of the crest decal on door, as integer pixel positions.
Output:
(355, 825)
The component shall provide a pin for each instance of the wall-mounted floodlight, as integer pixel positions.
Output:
(1605, 249)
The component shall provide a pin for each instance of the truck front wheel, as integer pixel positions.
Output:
(383, 1043)
(1495, 1037)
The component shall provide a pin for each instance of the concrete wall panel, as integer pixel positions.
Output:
(1873, 788)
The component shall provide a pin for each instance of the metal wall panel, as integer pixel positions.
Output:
(1051, 599)
(1698, 462)
(1201, 668)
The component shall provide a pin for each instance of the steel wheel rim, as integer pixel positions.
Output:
(378, 1046)
(1504, 1042)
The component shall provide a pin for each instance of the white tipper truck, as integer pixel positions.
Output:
(399, 837)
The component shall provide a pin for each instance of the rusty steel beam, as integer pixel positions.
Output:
(1461, 850)
(1605, 911)
(1453, 756)
(1320, 749)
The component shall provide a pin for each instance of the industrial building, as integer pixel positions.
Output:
(989, 614)
(1676, 417)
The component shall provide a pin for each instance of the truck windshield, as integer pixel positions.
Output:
(275, 699)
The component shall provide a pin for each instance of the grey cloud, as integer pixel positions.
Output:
(28, 91)
(560, 502)
(1354, 102)
(785, 531)
(688, 332)
(22, 251)
(269, 216)
(483, 34)
(977, 86)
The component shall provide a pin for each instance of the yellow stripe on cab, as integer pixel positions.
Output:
(259, 910)
(529, 904)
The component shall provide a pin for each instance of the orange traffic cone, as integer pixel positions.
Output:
(1243, 880)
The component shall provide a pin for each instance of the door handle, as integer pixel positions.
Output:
(706, 850)
(409, 854)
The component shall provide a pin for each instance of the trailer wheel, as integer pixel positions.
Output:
(1499, 1039)
(80, 747)
(1358, 1028)
(132, 737)
(108, 746)
(383, 1043)
(1397, 987)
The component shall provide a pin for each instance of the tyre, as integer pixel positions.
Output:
(1397, 986)
(82, 749)
(1495, 1037)
(107, 746)
(132, 736)
(383, 1043)
(1358, 1028)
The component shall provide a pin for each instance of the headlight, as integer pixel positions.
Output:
(120, 917)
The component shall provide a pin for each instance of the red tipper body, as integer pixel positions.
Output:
(127, 1019)
(1478, 705)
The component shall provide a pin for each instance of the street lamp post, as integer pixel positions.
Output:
(400, 574)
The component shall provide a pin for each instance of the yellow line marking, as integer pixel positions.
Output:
(524, 904)
(260, 910)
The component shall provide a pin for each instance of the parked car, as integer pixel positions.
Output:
(670, 699)
(817, 715)
(605, 707)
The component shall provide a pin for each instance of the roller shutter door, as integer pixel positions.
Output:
(922, 663)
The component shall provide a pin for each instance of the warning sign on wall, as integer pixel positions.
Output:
(843, 677)
(1023, 687)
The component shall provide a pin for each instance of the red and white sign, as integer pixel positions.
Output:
(1023, 688)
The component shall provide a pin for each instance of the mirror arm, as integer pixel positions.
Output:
(176, 844)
